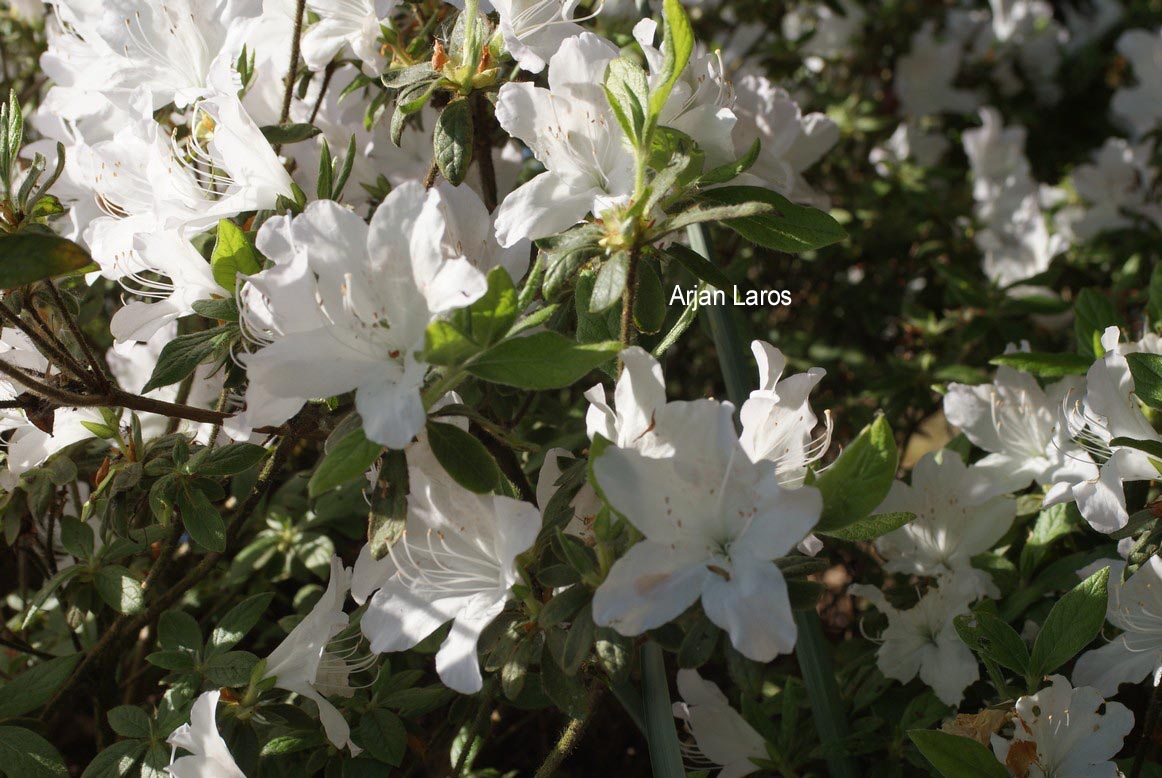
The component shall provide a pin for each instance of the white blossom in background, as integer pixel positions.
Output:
(345, 307)
(924, 77)
(303, 664)
(1135, 607)
(1022, 427)
(208, 756)
(829, 35)
(456, 561)
(923, 640)
(571, 130)
(1116, 187)
(1070, 737)
(958, 516)
(713, 522)
(1138, 107)
(349, 27)
(722, 737)
(1107, 410)
(909, 143)
(791, 141)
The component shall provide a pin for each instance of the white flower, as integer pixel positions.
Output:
(456, 561)
(1021, 248)
(1116, 186)
(571, 130)
(534, 30)
(778, 424)
(701, 99)
(1065, 734)
(209, 756)
(303, 665)
(345, 307)
(713, 521)
(924, 77)
(639, 393)
(828, 34)
(791, 141)
(721, 736)
(923, 640)
(1020, 425)
(347, 25)
(957, 517)
(1135, 607)
(1001, 176)
(1139, 107)
(908, 143)
(1108, 410)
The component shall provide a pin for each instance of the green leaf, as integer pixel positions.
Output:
(1052, 523)
(954, 756)
(732, 170)
(788, 227)
(463, 457)
(699, 643)
(290, 744)
(388, 515)
(290, 132)
(543, 360)
(238, 621)
(871, 527)
(225, 310)
(860, 479)
(32, 688)
(1147, 372)
(1093, 312)
(593, 327)
(609, 286)
(32, 256)
(226, 460)
(77, 537)
(231, 668)
(1075, 620)
(1044, 364)
(649, 304)
(182, 355)
(25, 754)
(628, 92)
(677, 45)
(1151, 447)
(383, 735)
(349, 457)
(452, 140)
(993, 639)
(566, 691)
(698, 266)
(120, 589)
(201, 519)
(579, 640)
(401, 77)
(471, 330)
(117, 760)
(129, 721)
(178, 629)
(233, 256)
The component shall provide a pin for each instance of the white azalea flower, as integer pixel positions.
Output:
(1064, 733)
(778, 424)
(345, 307)
(1020, 425)
(791, 141)
(908, 143)
(302, 664)
(701, 100)
(1139, 107)
(1135, 607)
(924, 77)
(923, 640)
(713, 521)
(347, 26)
(1116, 186)
(639, 393)
(1108, 410)
(1001, 176)
(534, 30)
(722, 737)
(957, 517)
(456, 561)
(1021, 248)
(209, 757)
(571, 130)
(829, 35)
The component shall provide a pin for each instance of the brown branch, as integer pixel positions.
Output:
(98, 370)
(54, 352)
(292, 70)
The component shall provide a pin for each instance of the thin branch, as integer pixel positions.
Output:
(293, 69)
(95, 365)
(570, 737)
(54, 352)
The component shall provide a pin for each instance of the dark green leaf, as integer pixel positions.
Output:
(954, 756)
(346, 458)
(226, 460)
(452, 140)
(182, 355)
(1075, 620)
(788, 227)
(383, 735)
(238, 621)
(993, 639)
(278, 134)
(609, 286)
(649, 304)
(860, 479)
(32, 256)
(698, 266)
(1147, 372)
(543, 360)
(201, 519)
(25, 754)
(129, 721)
(32, 688)
(231, 668)
(120, 589)
(1093, 312)
(871, 527)
(1044, 364)
(463, 457)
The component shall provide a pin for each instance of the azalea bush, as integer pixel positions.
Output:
(568, 387)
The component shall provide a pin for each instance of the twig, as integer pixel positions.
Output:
(54, 352)
(570, 737)
(628, 297)
(292, 70)
(432, 174)
(103, 382)
(330, 71)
